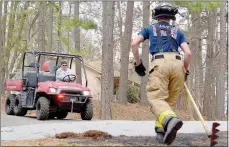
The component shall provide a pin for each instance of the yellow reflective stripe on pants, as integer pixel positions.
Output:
(164, 115)
(158, 124)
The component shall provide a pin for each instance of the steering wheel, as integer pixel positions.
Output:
(70, 78)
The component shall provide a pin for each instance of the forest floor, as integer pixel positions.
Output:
(130, 111)
(119, 112)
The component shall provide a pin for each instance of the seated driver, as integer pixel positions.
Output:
(63, 71)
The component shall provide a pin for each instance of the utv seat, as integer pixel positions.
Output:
(46, 76)
(42, 77)
(31, 77)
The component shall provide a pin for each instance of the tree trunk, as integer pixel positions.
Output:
(125, 48)
(4, 23)
(117, 51)
(198, 64)
(200, 76)
(41, 34)
(209, 79)
(59, 22)
(107, 60)
(120, 24)
(1, 52)
(1, 39)
(145, 54)
(77, 42)
(222, 66)
(69, 17)
(194, 48)
(196, 45)
(214, 69)
(50, 29)
(9, 38)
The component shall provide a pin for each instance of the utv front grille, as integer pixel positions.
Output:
(71, 92)
(75, 98)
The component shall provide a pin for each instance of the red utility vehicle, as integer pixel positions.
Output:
(38, 90)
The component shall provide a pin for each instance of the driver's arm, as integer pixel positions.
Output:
(59, 75)
(71, 72)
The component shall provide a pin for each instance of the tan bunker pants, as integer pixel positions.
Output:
(164, 85)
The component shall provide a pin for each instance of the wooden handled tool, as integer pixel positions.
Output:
(214, 125)
(197, 110)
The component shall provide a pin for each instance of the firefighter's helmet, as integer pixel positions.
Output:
(165, 11)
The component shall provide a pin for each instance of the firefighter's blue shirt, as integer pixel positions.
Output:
(150, 33)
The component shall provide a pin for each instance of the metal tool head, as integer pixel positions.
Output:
(213, 136)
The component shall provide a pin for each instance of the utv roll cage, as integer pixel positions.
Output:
(58, 55)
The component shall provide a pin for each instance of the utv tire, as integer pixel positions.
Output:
(18, 110)
(61, 115)
(42, 108)
(87, 111)
(9, 104)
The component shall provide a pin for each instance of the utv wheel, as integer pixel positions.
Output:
(87, 111)
(18, 110)
(61, 115)
(42, 108)
(9, 104)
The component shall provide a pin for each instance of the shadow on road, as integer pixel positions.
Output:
(34, 117)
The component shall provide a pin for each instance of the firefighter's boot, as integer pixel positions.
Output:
(159, 131)
(160, 136)
(171, 125)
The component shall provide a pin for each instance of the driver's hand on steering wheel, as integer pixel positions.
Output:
(70, 78)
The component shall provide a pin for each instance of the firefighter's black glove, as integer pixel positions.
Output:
(140, 69)
(186, 75)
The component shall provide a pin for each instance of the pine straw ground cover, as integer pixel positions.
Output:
(119, 112)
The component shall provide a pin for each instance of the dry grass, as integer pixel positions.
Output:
(119, 112)
(135, 112)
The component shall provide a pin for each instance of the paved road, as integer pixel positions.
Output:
(10, 120)
(20, 128)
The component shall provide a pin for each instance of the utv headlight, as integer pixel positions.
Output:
(86, 93)
(53, 90)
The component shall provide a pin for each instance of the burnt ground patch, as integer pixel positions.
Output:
(107, 140)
